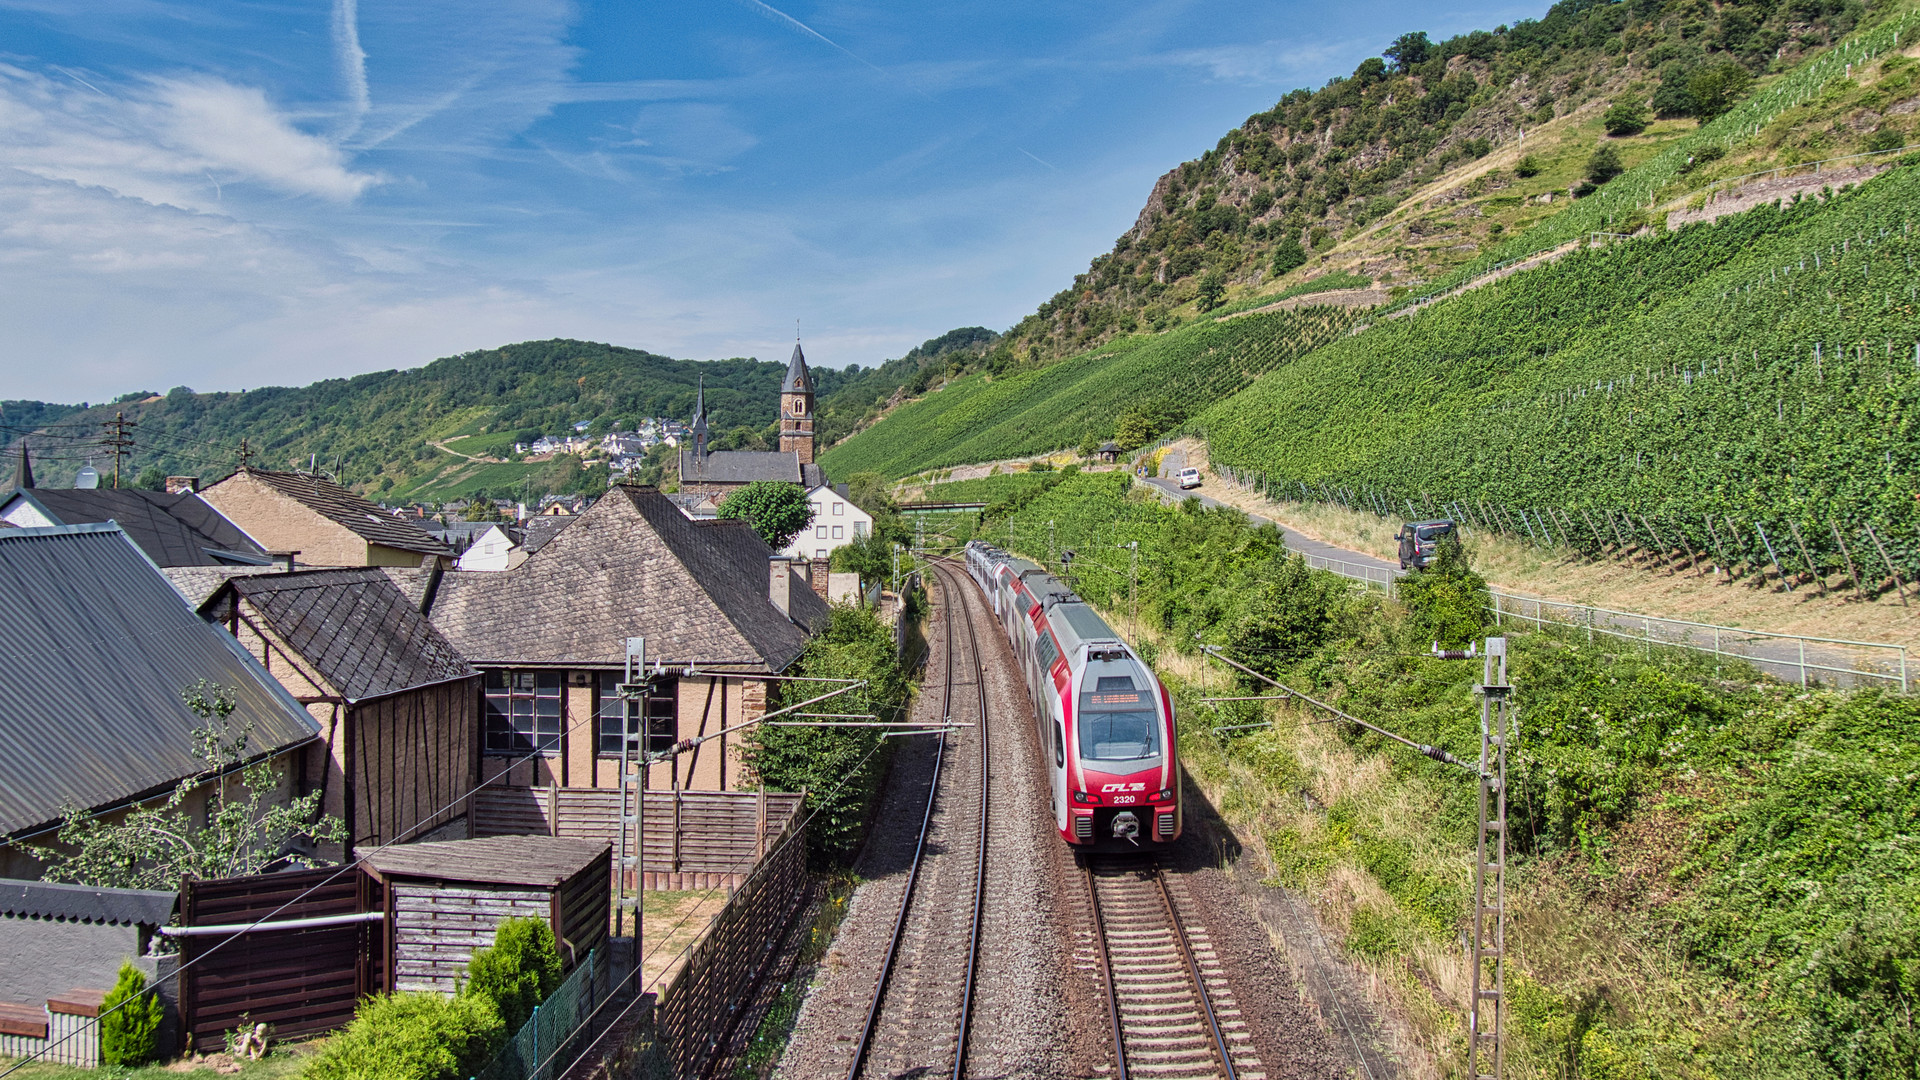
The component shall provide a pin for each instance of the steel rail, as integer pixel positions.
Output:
(1193, 970)
(865, 1042)
(1106, 972)
(980, 854)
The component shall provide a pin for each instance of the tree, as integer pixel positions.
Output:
(1288, 255)
(870, 491)
(1714, 89)
(152, 478)
(1288, 614)
(1144, 421)
(1625, 118)
(1213, 290)
(153, 847)
(776, 509)
(130, 1018)
(839, 768)
(1604, 165)
(1448, 600)
(1408, 50)
(1673, 99)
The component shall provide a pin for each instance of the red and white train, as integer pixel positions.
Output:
(1105, 722)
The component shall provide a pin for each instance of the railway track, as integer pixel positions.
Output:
(1172, 1012)
(922, 1007)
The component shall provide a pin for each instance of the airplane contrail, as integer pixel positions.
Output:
(792, 23)
(353, 63)
(1036, 157)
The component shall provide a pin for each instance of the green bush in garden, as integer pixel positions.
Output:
(130, 1020)
(413, 1036)
(518, 972)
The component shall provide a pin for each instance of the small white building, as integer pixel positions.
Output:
(836, 523)
(492, 550)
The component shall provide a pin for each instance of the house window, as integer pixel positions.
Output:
(839, 532)
(820, 532)
(839, 509)
(859, 528)
(657, 715)
(523, 712)
(820, 553)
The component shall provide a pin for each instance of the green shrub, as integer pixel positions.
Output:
(1448, 600)
(416, 1036)
(1288, 615)
(1886, 138)
(518, 972)
(127, 1034)
(1288, 255)
(1625, 118)
(1604, 165)
(1527, 167)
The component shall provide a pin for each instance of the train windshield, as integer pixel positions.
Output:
(1117, 722)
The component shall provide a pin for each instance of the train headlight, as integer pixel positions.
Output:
(1164, 795)
(1083, 797)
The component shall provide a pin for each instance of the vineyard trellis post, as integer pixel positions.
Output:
(1899, 587)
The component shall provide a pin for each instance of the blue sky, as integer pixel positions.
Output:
(234, 195)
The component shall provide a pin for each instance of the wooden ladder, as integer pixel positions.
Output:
(1487, 1010)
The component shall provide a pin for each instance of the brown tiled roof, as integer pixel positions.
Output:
(631, 566)
(355, 627)
(337, 504)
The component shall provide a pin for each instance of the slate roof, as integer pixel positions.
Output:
(95, 649)
(798, 379)
(174, 530)
(85, 903)
(538, 531)
(197, 584)
(696, 590)
(355, 627)
(337, 504)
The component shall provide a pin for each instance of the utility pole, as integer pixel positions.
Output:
(119, 441)
(1487, 1008)
(634, 689)
(246, 452)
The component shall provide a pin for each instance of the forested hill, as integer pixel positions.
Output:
(376, 431)
(1338, 178)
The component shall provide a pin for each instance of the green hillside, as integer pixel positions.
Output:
(1765, 368)
(1348, 176)
(1161, 380)
(376, 431)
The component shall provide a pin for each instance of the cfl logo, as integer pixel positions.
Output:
(1123, 787)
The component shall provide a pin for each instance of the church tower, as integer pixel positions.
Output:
(698, 431)
(796, 408)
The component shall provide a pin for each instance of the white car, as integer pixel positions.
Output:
(1189, 478)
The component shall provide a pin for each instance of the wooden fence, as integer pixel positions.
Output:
(694, 839)
(300, 981)
(698, 1011)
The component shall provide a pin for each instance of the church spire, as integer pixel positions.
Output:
(798, 379)
(796, 408)
(23, 473)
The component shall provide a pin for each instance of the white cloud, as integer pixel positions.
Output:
(175, 141)
(1257, 64)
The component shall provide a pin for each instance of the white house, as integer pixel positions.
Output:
(836, 522)
(492, 550)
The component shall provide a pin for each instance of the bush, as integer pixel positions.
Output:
(1289, 614)
(1213, 291)
(415, 1036)
(1625, 118)
(1527, 167)
(518, 972)
(1448, 600)
(1604, 165)
(1886, 138)
(127, 1035)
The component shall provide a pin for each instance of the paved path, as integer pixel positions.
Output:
(1169, 490)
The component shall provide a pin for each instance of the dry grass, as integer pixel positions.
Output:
(1519, 567)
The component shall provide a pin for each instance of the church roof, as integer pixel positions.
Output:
(798, 379)
(740, 466)
(700, 408)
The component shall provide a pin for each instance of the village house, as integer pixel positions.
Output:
(719, 472)
(837, 522)
(497, 548)
(174, 527)
(99, 647)
(722, 616)
(323, 522)
(398, 708)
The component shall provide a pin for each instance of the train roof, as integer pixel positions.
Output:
(1073, 619)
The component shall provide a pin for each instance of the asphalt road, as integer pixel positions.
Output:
(1169, 489)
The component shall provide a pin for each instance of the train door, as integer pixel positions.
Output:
(1057, 769)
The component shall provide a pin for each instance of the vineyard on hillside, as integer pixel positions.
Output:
(1747, 390)
(982, 418)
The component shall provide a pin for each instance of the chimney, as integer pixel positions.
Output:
(284, 559)
(780, 583)
(182, 485)
(817, 577)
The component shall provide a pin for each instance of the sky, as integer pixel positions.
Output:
(231, 195)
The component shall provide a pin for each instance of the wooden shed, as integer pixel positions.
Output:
(445, 899)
